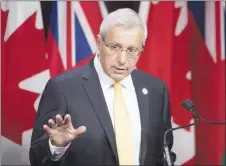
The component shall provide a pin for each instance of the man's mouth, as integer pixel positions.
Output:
(119, 70)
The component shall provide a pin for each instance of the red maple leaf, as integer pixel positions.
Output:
(23, 56)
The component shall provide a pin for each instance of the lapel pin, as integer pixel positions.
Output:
(145, 91)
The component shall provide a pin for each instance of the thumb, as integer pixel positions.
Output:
(79, 131)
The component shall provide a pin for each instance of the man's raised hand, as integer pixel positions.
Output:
(61, 131)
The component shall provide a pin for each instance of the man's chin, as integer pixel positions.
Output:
(118, 77)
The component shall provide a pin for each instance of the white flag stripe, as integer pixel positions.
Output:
(144, 10)
(73, 37)
(210, 29)
(182, 20)
(222, 21)
(103, 9)
(62, 37)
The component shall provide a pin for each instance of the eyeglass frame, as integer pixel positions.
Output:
(121, 49)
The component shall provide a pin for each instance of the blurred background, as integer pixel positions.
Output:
(185, 47)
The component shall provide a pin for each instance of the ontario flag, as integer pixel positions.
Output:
(74, 26)
(187, 50)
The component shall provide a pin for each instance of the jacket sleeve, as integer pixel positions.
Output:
(52, 103)
(167, 125)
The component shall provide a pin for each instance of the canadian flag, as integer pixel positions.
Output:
(186, 48)
(28, 61)
(24, 75)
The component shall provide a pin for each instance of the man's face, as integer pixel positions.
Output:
(118, 64)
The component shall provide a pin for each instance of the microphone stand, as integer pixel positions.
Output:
(204, 120)
(166, 148)
(189, 106)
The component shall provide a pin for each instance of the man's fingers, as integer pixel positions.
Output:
(79, 131)
(67, 119)
(47, 129)
(51, 123)
(59, 119)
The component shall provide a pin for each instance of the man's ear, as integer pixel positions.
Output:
(98, 40)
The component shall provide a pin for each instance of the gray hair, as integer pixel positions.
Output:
(126, 18)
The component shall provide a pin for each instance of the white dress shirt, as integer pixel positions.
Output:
(130, 98)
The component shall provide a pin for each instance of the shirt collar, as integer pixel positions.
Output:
(106, 81)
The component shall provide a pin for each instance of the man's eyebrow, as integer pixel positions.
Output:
(118, 44)
(132, 46)
(115, 43)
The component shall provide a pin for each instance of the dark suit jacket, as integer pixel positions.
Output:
(78, 92)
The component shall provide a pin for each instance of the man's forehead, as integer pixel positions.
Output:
(121, 35)
(123, 29)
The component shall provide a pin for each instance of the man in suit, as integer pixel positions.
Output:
(106, 112)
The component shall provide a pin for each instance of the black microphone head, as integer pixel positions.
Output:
(187, 104)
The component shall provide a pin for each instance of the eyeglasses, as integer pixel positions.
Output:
(130, 52)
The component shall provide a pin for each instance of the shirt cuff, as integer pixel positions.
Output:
(57, 152)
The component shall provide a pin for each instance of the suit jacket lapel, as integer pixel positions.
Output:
(95, 94)
(143, 103)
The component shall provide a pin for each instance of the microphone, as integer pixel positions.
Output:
(188, 105)
(166, 149)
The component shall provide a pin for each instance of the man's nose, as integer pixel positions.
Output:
(122, 57)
